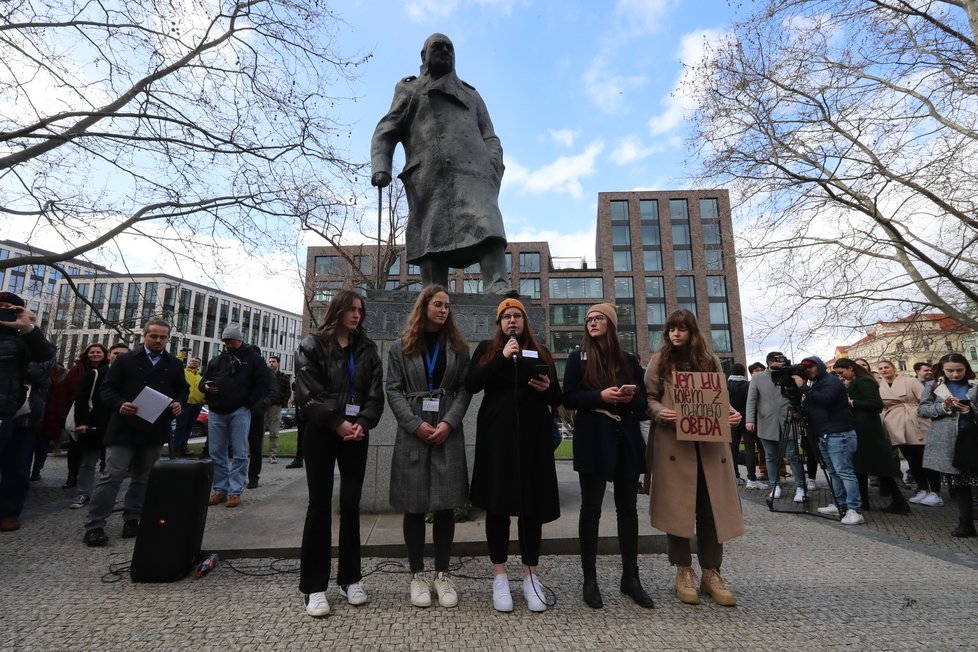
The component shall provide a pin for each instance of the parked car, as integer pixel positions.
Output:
(287, 419)
(199, 429)
(566, 432)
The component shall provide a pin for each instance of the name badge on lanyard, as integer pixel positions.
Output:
(352, 409)
(430, 404)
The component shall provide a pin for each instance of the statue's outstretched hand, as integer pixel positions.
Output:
(380, 179)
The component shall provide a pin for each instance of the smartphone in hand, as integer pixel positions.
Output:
(627, 388)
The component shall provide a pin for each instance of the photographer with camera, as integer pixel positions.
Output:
(769, 410)
(827, 408)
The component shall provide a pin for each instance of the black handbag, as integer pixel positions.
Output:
(965, 457)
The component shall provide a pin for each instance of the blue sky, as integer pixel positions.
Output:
(579, 93)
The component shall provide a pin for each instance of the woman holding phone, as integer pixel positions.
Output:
(600, 383)
(340, 389)
(513, 473)
(425, 371)
(693, 483)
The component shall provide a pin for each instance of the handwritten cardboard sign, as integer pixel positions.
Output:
(702, 406)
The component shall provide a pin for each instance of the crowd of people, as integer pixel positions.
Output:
(857, 423)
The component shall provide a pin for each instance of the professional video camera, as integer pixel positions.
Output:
(782, 377)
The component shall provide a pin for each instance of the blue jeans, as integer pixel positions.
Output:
(837, 451)
(222, 429)
(16, 448)
(771, 456)
(185, 422)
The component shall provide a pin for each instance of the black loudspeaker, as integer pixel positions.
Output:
(171, 528)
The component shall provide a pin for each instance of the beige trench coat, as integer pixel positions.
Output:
(900, 401)
(672, 505)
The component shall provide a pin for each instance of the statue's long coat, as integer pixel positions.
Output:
(452, 171)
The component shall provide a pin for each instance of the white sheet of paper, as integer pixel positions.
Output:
(151, 404)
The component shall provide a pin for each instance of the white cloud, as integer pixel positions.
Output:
(563, 175)
(693, 51)
(564, 137)
(631, 149)
(606, 90)
(637, 18)
(563, 244)
(422, 10)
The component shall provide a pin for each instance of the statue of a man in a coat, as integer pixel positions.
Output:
(452, 170)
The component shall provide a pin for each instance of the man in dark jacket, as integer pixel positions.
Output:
(256, 432)
(827, 408)
(233, 383)
(134, 437)
(21, 343)
(273, 414)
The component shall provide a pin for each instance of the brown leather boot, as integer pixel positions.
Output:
(713, 585)
(686, 585)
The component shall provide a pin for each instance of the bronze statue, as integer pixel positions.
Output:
(452, 171)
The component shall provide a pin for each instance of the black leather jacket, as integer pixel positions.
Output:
(322, 386)
(16, 351)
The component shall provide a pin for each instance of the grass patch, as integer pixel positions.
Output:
(565, 451)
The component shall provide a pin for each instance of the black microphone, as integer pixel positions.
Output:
(512, 336)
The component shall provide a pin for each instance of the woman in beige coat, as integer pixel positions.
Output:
(907, 431)
(692, 483)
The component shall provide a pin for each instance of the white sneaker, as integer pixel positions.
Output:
(810, 485)
(799, 495)
(355, 594)
(80, 501)
(533, 592)
(776, 493)
(741, 482)
(756, 484)
(853, 517)
(502, 600)
(932, 500)
(272, 459)
(316, 604)
(445, 588)
(831, 510)
(420, 591)
(919, 496)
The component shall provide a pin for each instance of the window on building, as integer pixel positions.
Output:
(899, 347)
(721, 339)
(621, 261)
(530, 287)
(650, 234)
(713, 259)
(627, 340)
(568, 314)
(529, 261)
(565, 341)
(648, 209)
(619, 210)
(395, 268)
(709, 209)
(620, 235)
(624, 289)
(716, 286)
(678, 209)
(326, 290)
(683, 259)
(472, 269)
(652, 260)
(414, 270)
(656, 336)
(655, 314)
(973, 354)
(328, 266)
(626, 315)
(711, 233)
(655, 286)
(902, 365)
(680, 234)
(509, 262)
(391, 285)
(686, 293)
(718, 313)
(472, 286)
(576, 288)
(365, 264)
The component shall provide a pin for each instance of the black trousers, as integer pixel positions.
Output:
(592, 495)
(497, 536)
(888, 486)
(325, 450)
(926, 479)
(256, 437)
(300, 427)
(709, 551)
(738, 434)
(966, 515)
(442, 534)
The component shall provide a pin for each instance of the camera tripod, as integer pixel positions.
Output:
(793, 430)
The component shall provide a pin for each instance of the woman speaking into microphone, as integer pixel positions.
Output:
(513, 473)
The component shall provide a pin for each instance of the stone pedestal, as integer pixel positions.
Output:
(387, 314)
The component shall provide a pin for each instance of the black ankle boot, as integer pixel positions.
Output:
(632, 587)
(592, 595)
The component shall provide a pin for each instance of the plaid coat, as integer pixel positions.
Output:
(426, 478)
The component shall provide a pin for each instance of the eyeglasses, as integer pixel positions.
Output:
(595, 318)
(516, 316)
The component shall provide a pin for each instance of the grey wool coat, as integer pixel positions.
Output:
(425, 477)
(943, 432)
(766, 406)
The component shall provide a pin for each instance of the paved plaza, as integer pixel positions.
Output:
(803, 583)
